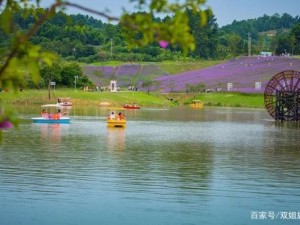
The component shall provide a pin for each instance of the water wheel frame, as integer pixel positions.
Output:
(282, 96)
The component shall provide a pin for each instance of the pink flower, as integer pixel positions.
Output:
(5, 124)
(163, 44)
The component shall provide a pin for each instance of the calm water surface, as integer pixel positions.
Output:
(176, 166)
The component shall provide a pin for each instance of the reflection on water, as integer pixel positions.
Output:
(50, 131)
(116, 138)
(175, 166)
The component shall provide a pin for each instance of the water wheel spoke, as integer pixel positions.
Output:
(286, 84)
(296, 85)
(291, 84)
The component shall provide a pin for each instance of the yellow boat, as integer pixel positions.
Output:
(116, 122)
(197, 104)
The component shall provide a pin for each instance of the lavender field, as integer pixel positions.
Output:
(125, 74)
(243, 73)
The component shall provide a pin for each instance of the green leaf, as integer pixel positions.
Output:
(6, 18)
(34, 71)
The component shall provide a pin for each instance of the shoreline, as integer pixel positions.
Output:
(118, 99)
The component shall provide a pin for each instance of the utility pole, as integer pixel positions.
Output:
(75, 77)
(249, 44)
(111, 47)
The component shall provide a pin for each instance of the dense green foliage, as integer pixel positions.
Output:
(86, 39)
(279, 34)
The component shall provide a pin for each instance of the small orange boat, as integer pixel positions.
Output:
(132, 106)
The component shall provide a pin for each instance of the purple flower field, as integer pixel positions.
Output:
(242, 73)
(122, 73)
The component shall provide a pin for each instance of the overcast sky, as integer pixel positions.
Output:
(225, 11)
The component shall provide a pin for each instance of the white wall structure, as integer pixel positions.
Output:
(257, 85)
(229, 86)
(113, 87)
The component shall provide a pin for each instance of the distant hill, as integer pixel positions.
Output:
(242, 73)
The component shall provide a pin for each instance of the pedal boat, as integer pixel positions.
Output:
(63, 119)
(51, 117)
(197, 104)
(116, 122)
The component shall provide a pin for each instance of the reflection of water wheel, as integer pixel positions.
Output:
(282, 96)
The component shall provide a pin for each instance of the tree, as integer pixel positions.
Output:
(171, 85)
(295, 39)
(235, 44)
(188, 88)
(200, 87)
(68, 73)
(51, 74)
(149, 84)
(283, 44)
(206, 36)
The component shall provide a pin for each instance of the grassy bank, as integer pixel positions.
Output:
(223, 99)
(85, 98)
(233, 100)
(120, 98)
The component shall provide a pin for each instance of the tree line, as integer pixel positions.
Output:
(85, 39)
(279, 34)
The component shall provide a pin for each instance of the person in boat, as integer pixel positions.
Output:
(112, 115)
(55, 116)
(121, 116)
(44, 113)
(58, 113)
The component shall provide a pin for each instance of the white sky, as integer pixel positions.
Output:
(225, 11)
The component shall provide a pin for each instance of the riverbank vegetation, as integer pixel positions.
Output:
(118, 99)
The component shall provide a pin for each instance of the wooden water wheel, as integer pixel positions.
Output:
(282, 96)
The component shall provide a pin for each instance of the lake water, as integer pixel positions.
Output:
(168, 166)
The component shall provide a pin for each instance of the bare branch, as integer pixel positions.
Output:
(111, 18)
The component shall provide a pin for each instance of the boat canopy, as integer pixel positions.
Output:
(50, 105)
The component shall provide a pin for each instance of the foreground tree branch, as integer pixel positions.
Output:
(32, 31)
(102, 14)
